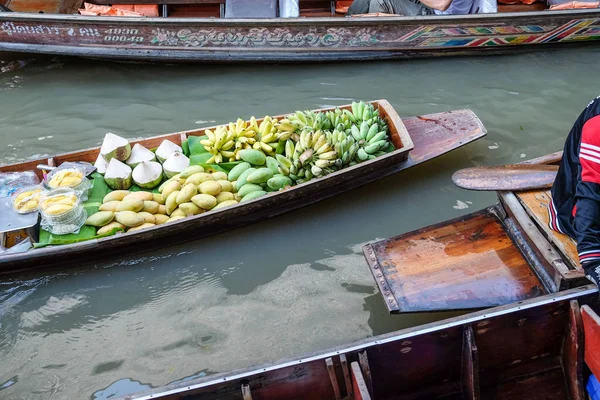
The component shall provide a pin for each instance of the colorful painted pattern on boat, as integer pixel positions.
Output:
(428, 36)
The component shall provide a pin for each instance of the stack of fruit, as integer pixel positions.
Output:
(305, 144)
(27, 200)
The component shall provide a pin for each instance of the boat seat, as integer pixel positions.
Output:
(508, 8)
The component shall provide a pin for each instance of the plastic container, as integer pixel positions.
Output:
(251, 9)
(289, 8)
(10, 182)
(82, 188)
(23, 201)
(593, 388)
(62, 223)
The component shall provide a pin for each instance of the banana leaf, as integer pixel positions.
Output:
(185, 147)
(194, 145)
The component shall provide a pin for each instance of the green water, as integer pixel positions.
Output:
(282, 287)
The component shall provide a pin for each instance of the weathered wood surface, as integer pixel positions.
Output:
(591, 328)
(359, 386)
(294, 40)
(572, 353)
(466, 263)
(516, 351)
(433, 136)
(506, 177)
(536, 204)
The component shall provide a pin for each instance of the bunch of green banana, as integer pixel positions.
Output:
(345, 147)
(220, 144)
(306, 120)
(372, 141)
(336, 119)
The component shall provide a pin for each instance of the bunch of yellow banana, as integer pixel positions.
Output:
(26, 202)
(313, 156)
(306, 120)
(285, 129)
(65, 178)
(267, 135)
(220, 144)
(59, 204)
(244, 136)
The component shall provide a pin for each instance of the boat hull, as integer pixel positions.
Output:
(201, 40)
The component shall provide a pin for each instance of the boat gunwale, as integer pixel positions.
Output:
(274, 22)
(363, 344)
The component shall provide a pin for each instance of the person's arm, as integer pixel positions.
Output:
(441, 5)
(587, 212)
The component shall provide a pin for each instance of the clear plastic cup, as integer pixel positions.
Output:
(82, 187)
(25, 204)
(62, 211)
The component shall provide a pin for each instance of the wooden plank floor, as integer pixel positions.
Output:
(536, 205)
(466, 263)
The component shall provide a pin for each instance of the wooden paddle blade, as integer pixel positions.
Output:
(513, 177)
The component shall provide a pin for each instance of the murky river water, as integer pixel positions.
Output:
(279, 288)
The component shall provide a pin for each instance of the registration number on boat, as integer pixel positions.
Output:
(136, 39)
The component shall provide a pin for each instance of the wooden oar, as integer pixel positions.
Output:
(513, 177)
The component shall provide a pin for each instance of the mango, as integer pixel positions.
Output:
(149, 218)
(273, 165)
(236, 171)
(224, 196)
(241, 181)
(110, 205)
(160, 219)
(162, 210)
(190, 209)
(169, 188)
(248, 188)
(219, 176)
(254, 157)
(199, 178)
(139, 196)
(178, 213)
(143, 226)
(100, 218)
(226, 186)
(278, 182)
(261, 175)
(150, 206)
(186, 193)
(171, 203)
(109, 227)
(157, 197)
(224, 204)
(191, 170)
(210, 187)
(132, 204)
(205, 201)
(116, 195)
(129, 218)
(253, 195)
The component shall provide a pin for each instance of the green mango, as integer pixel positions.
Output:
(253, 195)
(249, 188)
(241, 181)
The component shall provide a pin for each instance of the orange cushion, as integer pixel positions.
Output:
(591, 331)
(341, 7)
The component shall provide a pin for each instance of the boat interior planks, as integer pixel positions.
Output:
(591, 328)
(530, 349)
(466, 263)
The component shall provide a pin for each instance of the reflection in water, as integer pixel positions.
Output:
(279, 288)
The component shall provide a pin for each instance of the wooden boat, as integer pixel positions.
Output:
(533, 349)
(417, 140)
(191, 31)
(495, 256)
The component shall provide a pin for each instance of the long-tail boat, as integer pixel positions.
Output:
(201, 31)
(532, 349)
(416, 139)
